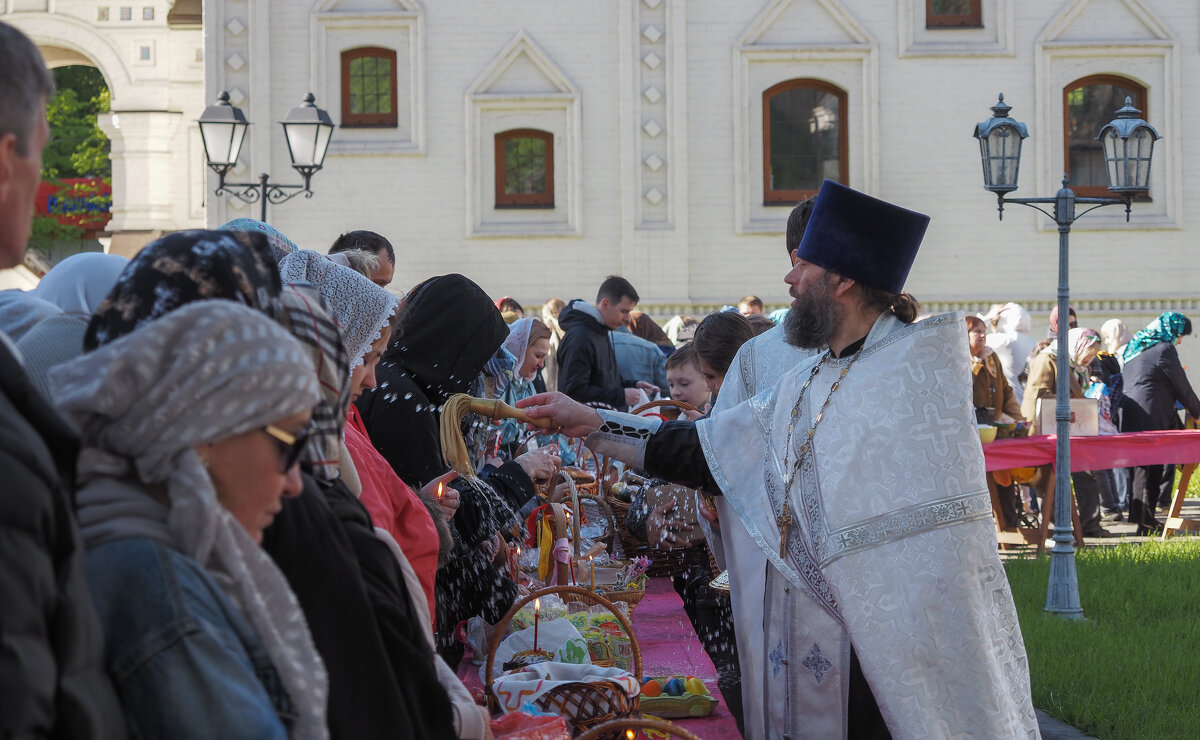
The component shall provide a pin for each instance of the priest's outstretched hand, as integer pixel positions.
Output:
(575, 419)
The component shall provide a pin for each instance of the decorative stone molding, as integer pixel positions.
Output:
(1117, 37)
(792, 39)
(655, 209)
(995, 39)
(399, 25)
(522, 87)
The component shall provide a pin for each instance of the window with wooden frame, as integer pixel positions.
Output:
(369, 88)
(953, 13)
(1088, 104)
(524, 169)
(804, 140)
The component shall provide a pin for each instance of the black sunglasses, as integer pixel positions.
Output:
(291, 446)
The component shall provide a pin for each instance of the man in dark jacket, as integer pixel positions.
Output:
(587, 364)
(52, 679)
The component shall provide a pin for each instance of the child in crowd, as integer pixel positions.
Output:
(684, 378)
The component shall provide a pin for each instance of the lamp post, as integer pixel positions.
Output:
(1128, 143)
(306, 128)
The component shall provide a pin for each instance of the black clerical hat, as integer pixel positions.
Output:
(862, 238)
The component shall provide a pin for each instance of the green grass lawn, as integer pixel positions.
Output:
(1132, 668)
(1193, 483)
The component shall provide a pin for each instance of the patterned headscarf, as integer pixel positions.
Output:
(1166, 328)
(184, 267)
(280, 245)
(305, 316)
(361, 308)
(1080, 340)
(206, 372)
(79, 283)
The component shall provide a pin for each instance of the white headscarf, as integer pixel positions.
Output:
(207, 371)
(360, 307)
(79, 283)
(518, 342)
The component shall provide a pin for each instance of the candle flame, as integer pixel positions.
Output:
(440, 485)
(537, 605)
(629, 734)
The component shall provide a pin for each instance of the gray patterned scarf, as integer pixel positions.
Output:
(206, 371)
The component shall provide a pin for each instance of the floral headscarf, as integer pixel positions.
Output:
(1168, 327)
(205, 372)
(1080, 340)
(280, 245)
(184, 267)
(305, 316)
(360, 307)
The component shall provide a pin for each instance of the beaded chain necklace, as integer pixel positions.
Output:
(784, 521)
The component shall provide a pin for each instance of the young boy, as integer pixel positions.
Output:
(684, 378)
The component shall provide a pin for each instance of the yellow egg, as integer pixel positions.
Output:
(695, 686)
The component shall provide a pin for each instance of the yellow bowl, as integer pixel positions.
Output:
(987, 434)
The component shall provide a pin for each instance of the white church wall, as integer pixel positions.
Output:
(656, 110)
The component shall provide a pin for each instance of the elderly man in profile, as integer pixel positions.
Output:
(52, 678)
(884, 610)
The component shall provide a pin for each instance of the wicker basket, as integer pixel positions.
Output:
(616, 729)
(662, 562)
(584, 704)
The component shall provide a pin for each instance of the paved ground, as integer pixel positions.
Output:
(1121, 532)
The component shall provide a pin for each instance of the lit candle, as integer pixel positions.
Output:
(592, 566)
(440, 484)
(516, 565)
(537, 616)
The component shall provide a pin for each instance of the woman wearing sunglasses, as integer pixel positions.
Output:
(191, 430)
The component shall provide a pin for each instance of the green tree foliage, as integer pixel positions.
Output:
(77, 147)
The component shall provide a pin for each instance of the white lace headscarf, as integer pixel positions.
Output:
(518, 343)
(205, 372)
(361, 308)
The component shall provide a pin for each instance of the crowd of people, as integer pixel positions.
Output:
(228, 512)
(1137, 381)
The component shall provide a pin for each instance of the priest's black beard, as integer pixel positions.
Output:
(813, 318)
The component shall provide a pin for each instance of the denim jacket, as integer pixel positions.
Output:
(186, 664)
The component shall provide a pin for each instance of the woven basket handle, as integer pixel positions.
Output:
(665, 403)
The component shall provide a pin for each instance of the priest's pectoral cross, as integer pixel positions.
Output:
(784, 521)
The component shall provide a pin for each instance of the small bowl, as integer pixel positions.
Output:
(987, 434)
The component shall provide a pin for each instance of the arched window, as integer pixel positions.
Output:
(804, 140)
(369, 88)
(953, 13)
(1088, 104)
(524, 169)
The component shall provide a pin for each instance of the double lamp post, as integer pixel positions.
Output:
(1128, 143)
(307, 130)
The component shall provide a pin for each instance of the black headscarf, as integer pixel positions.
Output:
(448, 331)
(183, 267)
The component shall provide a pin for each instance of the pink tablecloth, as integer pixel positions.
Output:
(1098, 453)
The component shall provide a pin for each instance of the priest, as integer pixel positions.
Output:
(880, 607)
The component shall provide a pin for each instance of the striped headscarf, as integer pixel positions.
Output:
(305, 316)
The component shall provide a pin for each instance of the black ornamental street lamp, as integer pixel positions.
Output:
(306, 128)
(1128, 143)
